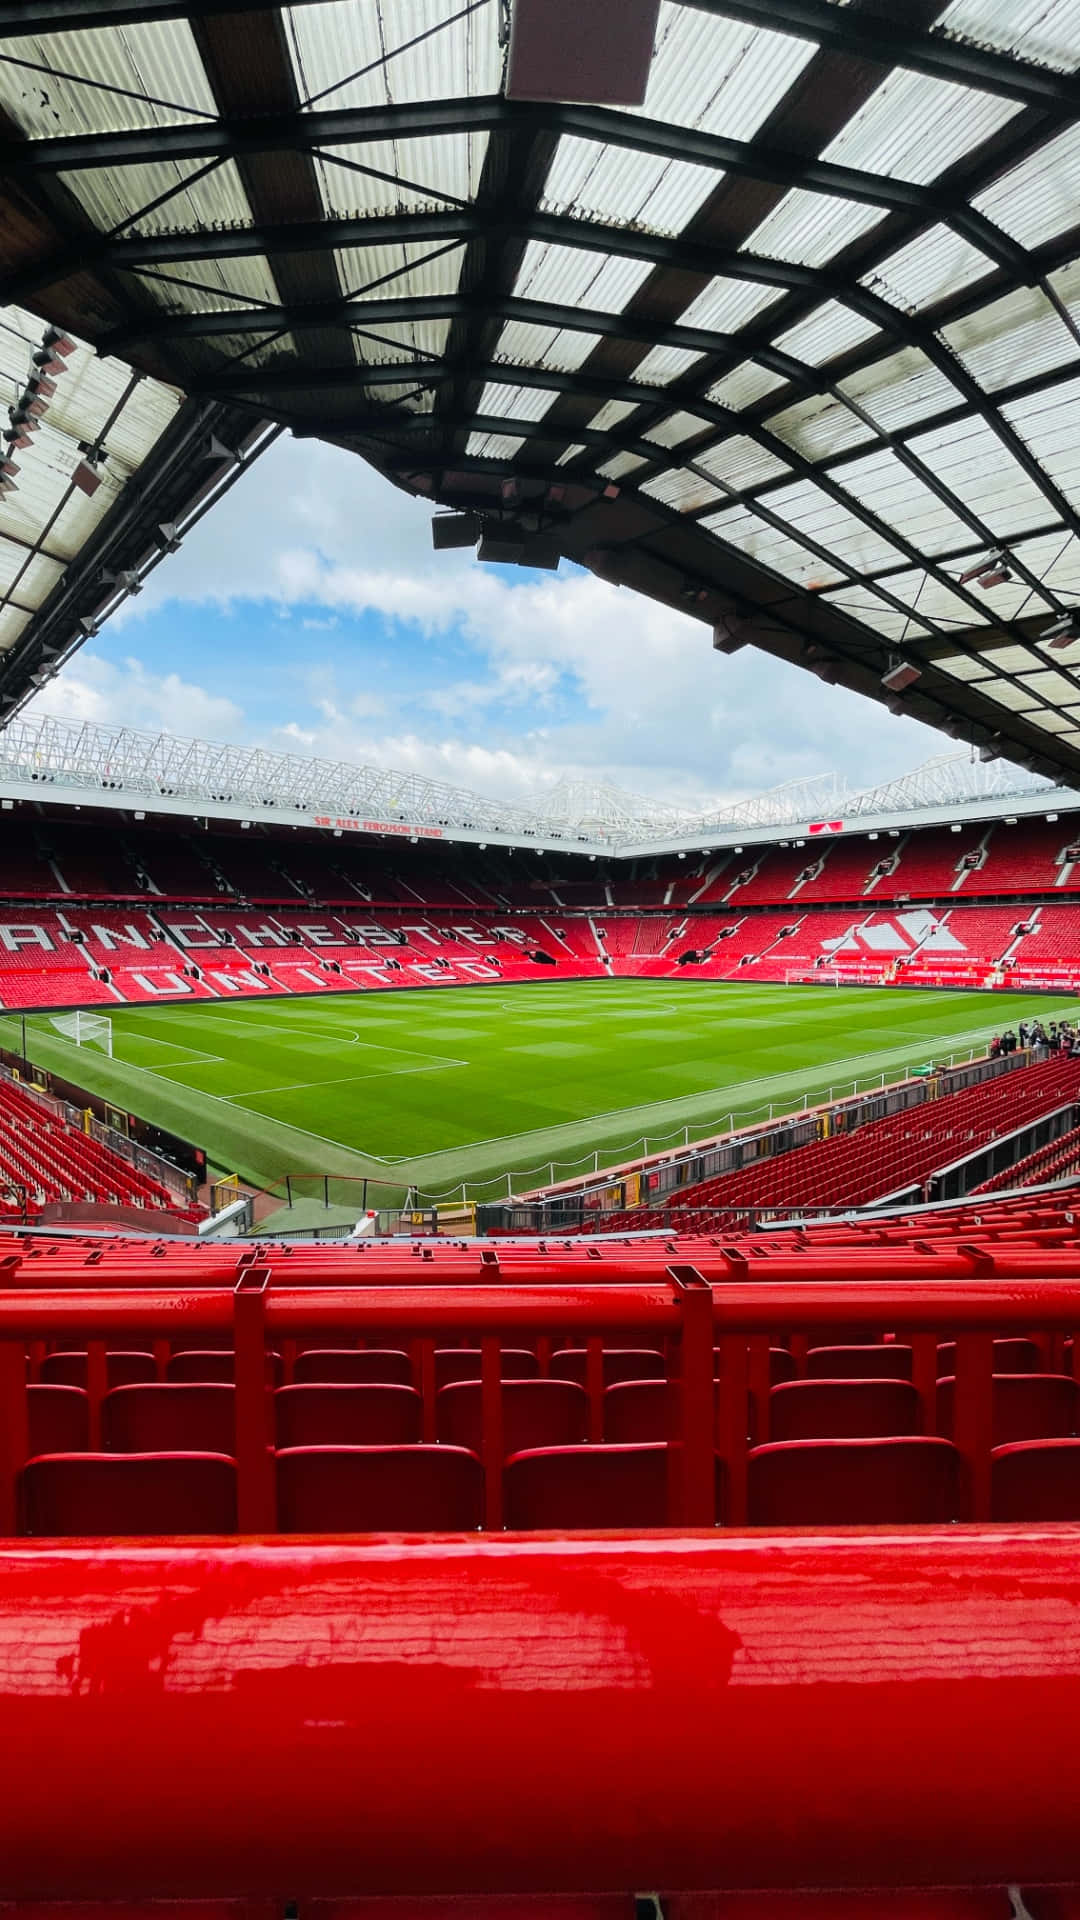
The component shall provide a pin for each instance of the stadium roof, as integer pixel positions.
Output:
(46, 761)
(792, 345)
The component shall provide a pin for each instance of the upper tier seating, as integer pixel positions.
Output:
(49, 1161)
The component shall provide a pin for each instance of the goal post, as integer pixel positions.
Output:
(813, 977)
(86, 1029)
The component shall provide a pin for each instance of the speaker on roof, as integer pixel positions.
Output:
(455, 530)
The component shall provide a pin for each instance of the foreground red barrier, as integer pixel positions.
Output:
(490, 1716)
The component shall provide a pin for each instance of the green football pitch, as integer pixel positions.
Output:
(430, 1089)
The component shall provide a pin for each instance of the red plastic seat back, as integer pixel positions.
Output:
(571, 1487)
(1036, 1480)
(855, 1483)
(379, 1490)
(169, 1417)
(69, 1495)
(463, 1363)
(1010, 1356)
(341, 1414)
(121, 1369)
(204, 1365)
(620, 1363)
(1027, 1406)
(535, 1413)
(843, 1409)
(58, 1418)
(889, 1361)
(639, 1411)
(382, 1366)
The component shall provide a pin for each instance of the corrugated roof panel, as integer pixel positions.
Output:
(398, 269)
(1046, 31)
(808, 228)
(1055, 723)
(661, 365)
(388, 340)
(718, 75)
(728, 305)
(621, 465)
(562, 350)
(515, 403)
(1014, 699)
(782, 553)
(493, 446)
(12, 624)
(1051, 686)
(930, 268)
(209, 286)
(159, 58)
(611, 414)
(1009, 601)
(420, 168)
(969, 458)
(819, 426)
(81, 408)
(915, 126)
(902, 388)
(568, 454)
(28, 577)
(622, 187)
(576, 277)
(868, 607)
(1009, 658)
(111, 195)
(933, 601)
(676, 428)
(1012, 338)
(44, 481)
(1046, 422)
(830, 330)
(961, 666)
(1038, 198)
(813, 512)
(740, 463)
(351, 53)
(745, 385)
(884, 486)
(682, 489)
(1054, 558)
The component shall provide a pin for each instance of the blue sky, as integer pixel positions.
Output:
(308, 613)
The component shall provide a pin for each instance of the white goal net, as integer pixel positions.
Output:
(813, 977)
(86, 1029)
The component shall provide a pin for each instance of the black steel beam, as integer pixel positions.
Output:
(866, 35)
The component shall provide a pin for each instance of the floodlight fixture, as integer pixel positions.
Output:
(58, 342)
(988, 751)
(87, 476)
(450, 530)
(167, 536)
(1062, 631)
(989, 572)
(901, 675)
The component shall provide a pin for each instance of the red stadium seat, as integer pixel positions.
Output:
(888, 1361)
(121, 1369)
(855, 1483)
(1027, 1406)
(1010, 1356)
(169, 1417)
(463, 1363)
(59, 1419)
(637, 1411)
(1036, 1480)
(620, 1363)
(382, 1366)
(345, 1415)
(781, 1364)
(379, 1490)
(843, 1409)
(571, 1487)
(71, 1495)
(204, 1365)
(535, 1413)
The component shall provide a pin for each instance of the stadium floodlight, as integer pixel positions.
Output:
(449, 530)
(1063, 631)
(58, 342)
(901, 675)
(87, 476)
(991, 572)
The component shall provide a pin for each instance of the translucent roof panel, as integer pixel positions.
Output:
(46, 519)
(820, 303)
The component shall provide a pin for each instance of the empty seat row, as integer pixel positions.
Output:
(899, 1482)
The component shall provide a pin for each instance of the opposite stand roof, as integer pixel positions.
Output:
(792, 346)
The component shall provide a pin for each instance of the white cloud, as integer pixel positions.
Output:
(560, 676)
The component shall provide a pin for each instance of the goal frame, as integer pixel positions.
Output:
(85, 1029)
(814, 977)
